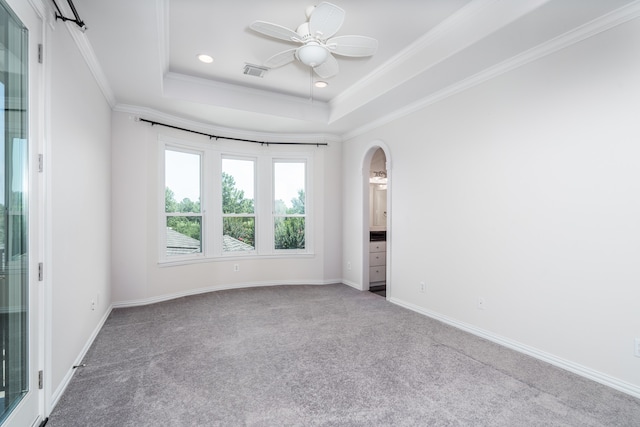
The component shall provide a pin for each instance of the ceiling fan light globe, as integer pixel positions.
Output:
(312, 54)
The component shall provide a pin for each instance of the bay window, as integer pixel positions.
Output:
(221, 203)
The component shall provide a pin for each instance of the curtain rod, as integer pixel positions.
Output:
(317, 144)
(77, 20)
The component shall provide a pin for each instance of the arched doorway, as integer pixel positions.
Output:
(376, 220)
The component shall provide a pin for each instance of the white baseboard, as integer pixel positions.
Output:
(67, 378)
(583, 371)
(167, 297)
(354, 285)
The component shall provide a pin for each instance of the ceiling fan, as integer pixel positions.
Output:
(318, 45)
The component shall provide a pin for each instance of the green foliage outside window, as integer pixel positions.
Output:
(289, 233)
(187, 225)
(233, 202)
(289, 230)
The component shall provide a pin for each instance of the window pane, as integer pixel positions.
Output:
(14, 221)
(237, 186)
(238, 234)
(184, 234)
(289, 233)
(289, 188)
(182, 182)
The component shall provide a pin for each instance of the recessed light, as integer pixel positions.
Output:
(207, 59)
(321, 84)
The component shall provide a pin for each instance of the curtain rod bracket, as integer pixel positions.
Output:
(76, 18)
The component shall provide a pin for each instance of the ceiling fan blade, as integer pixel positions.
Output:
(328, 68)
(275, 30)
(325, 20)
(280, 59)
(352, 45)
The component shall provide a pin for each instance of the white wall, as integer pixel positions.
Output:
(524, 190)
(80, 193)
(137, 276)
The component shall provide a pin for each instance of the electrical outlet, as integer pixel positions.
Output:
(349, 265)
(236, 267)
(481, 303)
(422, 287)
(637, 347)
(93, 305)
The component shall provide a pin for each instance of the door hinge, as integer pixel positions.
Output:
(40, 272)
(40, 379)
(40, 162)
(40, 53)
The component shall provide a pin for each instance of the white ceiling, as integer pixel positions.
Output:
(143, 53)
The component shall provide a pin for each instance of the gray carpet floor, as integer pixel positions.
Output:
(317, 356)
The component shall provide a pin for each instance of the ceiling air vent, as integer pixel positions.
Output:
(255, 70)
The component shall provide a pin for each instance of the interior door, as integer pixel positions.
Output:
(20, 332)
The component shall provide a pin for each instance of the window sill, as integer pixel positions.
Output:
(226, 258)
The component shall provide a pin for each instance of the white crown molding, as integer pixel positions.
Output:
(578, 34)
(92, 62)
(40, 8)
(240, 90)
(568, 365)
(459, 18)
(467, 26)
(151, 114)
(216, 93)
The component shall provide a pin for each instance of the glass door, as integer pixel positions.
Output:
(16, 382)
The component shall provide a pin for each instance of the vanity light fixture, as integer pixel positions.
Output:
(378, 177)
(207, 59)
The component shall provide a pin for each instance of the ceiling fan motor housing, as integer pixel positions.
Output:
(304, 32)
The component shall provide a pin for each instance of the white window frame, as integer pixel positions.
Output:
(188, 149)
(256, 236)
(274, 215)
